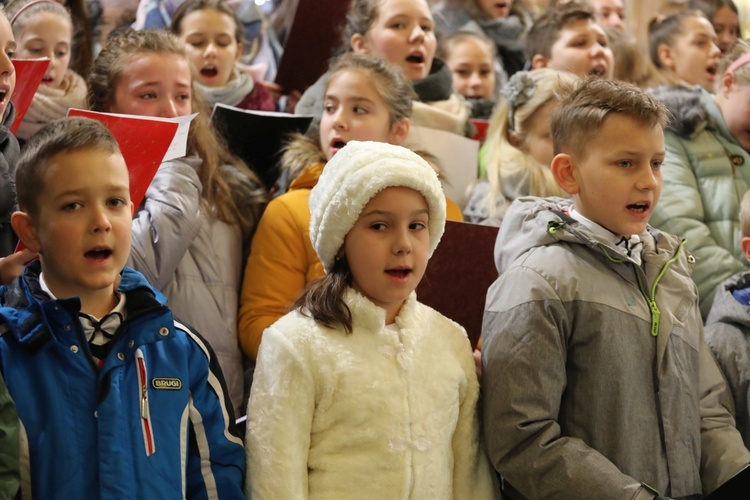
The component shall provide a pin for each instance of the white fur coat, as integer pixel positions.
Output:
(381, 413)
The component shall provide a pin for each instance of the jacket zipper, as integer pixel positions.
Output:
(650, 297)
(148, 431)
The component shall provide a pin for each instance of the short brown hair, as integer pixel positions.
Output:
(546, 30)
(59, 136)
(586, 106)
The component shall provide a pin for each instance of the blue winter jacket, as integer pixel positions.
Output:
(152, 423)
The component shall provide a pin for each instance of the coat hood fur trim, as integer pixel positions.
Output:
(688, 115)
(359, 171)
(300, 153)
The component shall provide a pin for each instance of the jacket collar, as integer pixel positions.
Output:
(368, 316)
(33, 319)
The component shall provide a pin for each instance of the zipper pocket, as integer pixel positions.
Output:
(148, 431)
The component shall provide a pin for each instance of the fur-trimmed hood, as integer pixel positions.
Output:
(688, 112)
(301, 152)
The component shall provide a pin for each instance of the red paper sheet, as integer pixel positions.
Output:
(29, 74)
(143, 143)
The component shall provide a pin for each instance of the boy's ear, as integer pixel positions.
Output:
(539, 61)
(239, 52)
(745, 245)
(666, 56)
(24, 227)
(562, 170)
(516, 140)
(132, 210)
(359, 44)
(399, 131)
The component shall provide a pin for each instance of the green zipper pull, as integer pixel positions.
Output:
(553, 226)
(655, 314)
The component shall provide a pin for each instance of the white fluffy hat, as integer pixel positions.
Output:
(359, 171)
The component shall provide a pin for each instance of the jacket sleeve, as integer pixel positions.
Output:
(722, 452)
(169, 222)
(216, 458)
(275, 274)
(730, 347)
(10, 479)
(681, 211)
(524, 376)
(280, 415)
(472, 475)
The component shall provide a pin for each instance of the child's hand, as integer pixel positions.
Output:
(478, 364)
(12, 265)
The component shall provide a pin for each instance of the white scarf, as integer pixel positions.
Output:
(51, 103)
(231, 94)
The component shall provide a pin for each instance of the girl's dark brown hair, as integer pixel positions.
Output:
(359, 19)
(224, 190)
(323, 300)
(664, 31)
(217, 5)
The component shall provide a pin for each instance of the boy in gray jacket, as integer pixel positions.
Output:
(728, 332)
(597, 381)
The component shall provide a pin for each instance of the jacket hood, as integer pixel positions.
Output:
(532, 222)
(525, 226)
(726, 309)
(687, 108)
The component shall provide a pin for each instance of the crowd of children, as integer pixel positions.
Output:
(135, 339)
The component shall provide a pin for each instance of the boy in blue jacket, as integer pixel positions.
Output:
(116, 397)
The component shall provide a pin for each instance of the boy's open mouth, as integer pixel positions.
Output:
(98, 253)
(712, 69)
(3, 93)
(338, 143)
(47, 79)
(209, 71)
(638, 207)
(598, 71)
(501, 5)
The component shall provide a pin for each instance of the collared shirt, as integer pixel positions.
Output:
(631, 247)
(98, 331)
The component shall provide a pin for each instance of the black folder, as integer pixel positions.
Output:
(258, 137)
(737, 488)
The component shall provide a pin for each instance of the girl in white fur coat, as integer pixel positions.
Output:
(361, 391)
